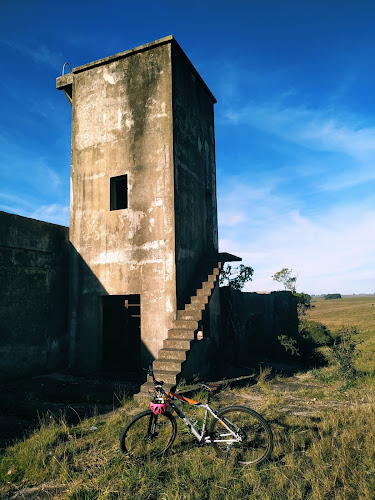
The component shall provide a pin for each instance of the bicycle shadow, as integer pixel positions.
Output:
(283, 430)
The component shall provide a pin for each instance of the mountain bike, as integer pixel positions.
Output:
(237, 433)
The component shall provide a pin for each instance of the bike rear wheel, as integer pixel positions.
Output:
(148, 434)
(253, 442)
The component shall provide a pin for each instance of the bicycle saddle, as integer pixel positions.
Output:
(209, 388)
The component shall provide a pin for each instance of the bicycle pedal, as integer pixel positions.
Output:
(205, 441)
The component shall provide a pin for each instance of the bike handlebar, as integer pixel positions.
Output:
(150, 372)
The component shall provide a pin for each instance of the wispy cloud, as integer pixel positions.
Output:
(30, 186)
(335, 247)
(323, 130)
(318, 131)
(40, 54)
(55, 213)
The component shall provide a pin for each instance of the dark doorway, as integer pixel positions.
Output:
(122, 333)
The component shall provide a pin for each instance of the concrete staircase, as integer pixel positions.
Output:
(176, 347)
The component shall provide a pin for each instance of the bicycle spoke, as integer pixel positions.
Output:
(252, 440)
(148, 435)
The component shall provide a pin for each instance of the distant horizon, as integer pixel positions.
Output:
(294, 122)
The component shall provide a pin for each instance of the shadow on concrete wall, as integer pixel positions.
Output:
(251, 323)
(103, 333)
(34, 296)
(37, 334)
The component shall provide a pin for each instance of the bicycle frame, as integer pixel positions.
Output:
(154, 430)
(202, 437)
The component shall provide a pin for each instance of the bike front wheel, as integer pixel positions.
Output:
(241, 434)
(148, 434)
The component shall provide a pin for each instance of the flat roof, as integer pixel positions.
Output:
(142, 48)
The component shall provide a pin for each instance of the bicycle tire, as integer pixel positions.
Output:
(148, 434)
(257, 441)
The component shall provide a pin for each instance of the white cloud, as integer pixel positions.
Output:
(335, 249)
(40, 54)
(232, 218)
(55, 213)
(319, 131)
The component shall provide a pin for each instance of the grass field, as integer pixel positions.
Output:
(319, 453)
(350, 311)
(324, 434)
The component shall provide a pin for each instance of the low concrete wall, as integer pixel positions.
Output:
(251, 323)
(201, 361)
(34, 296)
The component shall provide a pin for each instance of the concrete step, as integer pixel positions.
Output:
(196, 306)
(185, 324)
(180, 344)
(145, 388)
(177, 346)
(199, 299)
(213, 277)
(169, 377)
(204, 292)
(145, 393)
(172, 353)
(169, 365)
(196, 315)
(216, 271)
(177, 333)
(207, 285)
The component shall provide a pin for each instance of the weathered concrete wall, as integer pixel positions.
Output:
(122, 124)
(202, 361)
(195, 171)
(251, 323)
(34, 296)
(146, 114)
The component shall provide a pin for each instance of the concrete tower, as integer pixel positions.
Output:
(143, 214)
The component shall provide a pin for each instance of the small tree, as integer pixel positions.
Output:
(285, 277)
(236, 277)
(303, 345)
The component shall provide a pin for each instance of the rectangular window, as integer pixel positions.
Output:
(119, 192)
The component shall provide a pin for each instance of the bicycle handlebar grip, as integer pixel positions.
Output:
(150, 372)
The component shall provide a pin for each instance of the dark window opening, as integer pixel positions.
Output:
(119, 192)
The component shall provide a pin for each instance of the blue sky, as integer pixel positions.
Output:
(295, 120)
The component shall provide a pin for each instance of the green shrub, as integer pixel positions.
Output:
(315, 332)
(311, 335)
(332, 296)
(288, 344)
(344, 352)
(303, 302)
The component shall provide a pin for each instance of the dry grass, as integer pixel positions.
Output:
(350, 311)
(324, 441)
(319, 453)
